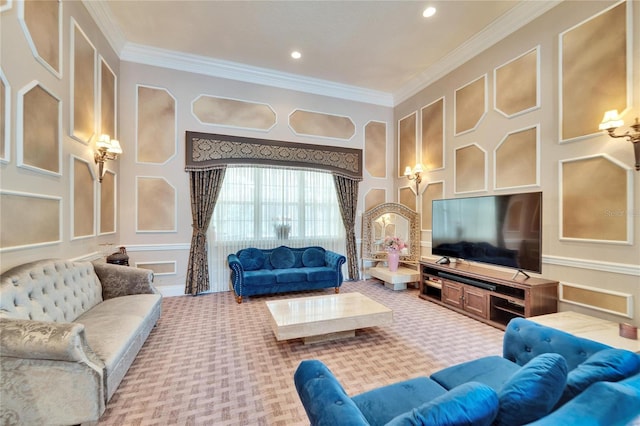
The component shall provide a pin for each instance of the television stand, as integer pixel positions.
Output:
(518, 272)
(488, 295)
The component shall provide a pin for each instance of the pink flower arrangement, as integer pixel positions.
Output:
(393, 244)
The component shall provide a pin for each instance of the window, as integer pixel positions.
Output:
(266, 207)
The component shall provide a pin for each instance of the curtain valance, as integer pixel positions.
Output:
(206, 151)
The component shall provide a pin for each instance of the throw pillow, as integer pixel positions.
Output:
(472, 404)
(282, 258)
(313, 257)
(532, 391)
(609, 365)
(251, 259)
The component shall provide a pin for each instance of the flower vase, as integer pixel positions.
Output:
(393, 257)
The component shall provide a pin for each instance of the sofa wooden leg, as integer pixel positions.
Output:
(337, 289)
(239, 299)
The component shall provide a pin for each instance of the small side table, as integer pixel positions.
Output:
(397, 280)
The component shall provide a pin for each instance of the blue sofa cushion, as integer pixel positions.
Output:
(381, 405)
(261, 277)
(493, 371)
(472, 404)
(602, 403)
(313, 257)
(609, 365)
(322, 273)
(282, 258)
(251, 259)
(289, 275)
(532, 391)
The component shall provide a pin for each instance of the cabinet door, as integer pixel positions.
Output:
(476, 301)
(452, 294)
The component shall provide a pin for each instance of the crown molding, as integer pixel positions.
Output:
(234, 71)
(101, 14)
(516, 18)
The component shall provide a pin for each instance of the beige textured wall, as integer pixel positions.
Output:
(607, 267)
(21, 68)
(185, 87)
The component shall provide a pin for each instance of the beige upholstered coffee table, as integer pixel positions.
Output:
(321, 318)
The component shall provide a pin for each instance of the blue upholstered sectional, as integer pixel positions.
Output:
(283, 269)
(545, 377)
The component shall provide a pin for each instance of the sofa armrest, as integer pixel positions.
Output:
(119, 280)
(46, 340)
(335, 261)
(237, 273)
(323, 398)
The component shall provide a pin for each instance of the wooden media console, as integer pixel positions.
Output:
(488, 295)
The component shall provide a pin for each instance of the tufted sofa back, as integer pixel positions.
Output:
(524, 340)
(49, 290)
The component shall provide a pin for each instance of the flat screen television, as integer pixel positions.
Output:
(503, 230)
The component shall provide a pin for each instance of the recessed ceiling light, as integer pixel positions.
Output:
(430, 11)
(296, 55)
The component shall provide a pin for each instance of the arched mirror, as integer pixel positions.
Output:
(390, 220)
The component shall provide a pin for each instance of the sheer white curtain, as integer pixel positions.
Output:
(267, 207)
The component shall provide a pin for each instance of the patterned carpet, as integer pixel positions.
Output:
(211, 361)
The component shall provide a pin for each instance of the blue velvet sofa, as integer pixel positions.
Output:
(283, 269)
(545, 377)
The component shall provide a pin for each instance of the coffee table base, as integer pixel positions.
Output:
(329, 337)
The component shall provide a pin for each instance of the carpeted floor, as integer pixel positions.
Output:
(211, 361)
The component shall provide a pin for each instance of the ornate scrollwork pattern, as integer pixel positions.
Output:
(210, 151)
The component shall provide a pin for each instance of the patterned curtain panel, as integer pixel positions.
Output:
(206, 151)
(347, 192)
(204, 187)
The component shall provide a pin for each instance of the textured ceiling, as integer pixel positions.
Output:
(375, 45)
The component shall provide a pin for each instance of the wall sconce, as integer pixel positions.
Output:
(611, 121)
(106, 149)
(415, 174)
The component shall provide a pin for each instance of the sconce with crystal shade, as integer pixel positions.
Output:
(106, 149)
(611, 121)
(415, 174)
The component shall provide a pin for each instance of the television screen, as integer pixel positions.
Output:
(504, 230)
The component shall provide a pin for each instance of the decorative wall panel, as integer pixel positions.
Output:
(159, 268)
(156, 205)
(596, 199)
(108, 203)
(407, 197)
(517, 159)
(39, 129)
(373, 198)
(23, 221)
(375, 148)
(470, 105)
(433, 191)
(599, 299)
(320, 124)
(433, 135)
(5, 118)
(517, 84)
(407, 135)
(595, 71)
(83, 82)
(470, 169)
(156, 125)
(5, 5)
(41, 22)
(233, 113)
(108, 100)
(83, 201)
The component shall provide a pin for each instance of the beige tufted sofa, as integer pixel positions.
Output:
(68, 334)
